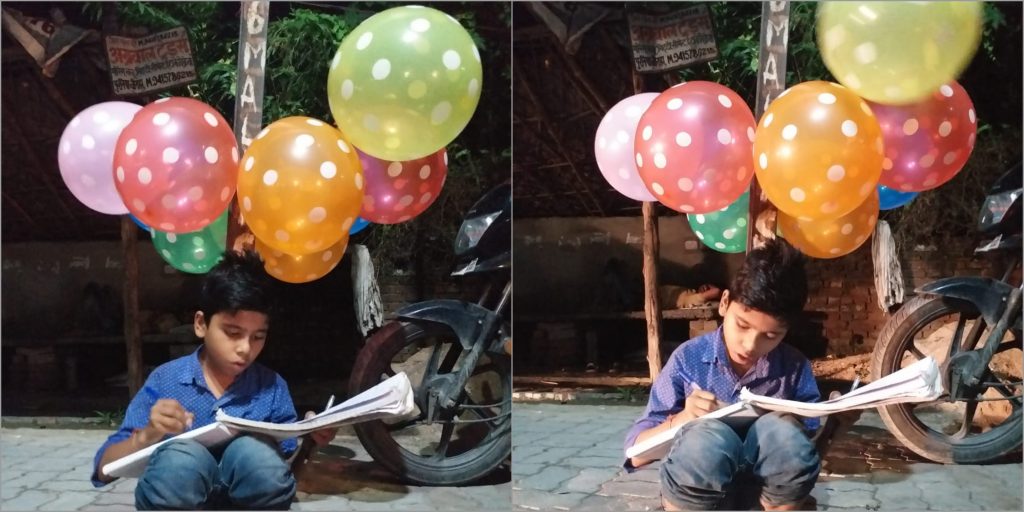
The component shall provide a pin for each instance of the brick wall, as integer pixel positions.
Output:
(843, 304)
(398, 290)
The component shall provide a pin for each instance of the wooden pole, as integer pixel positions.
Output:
(771, 81)
(252, 64)
(130, 255)
(652, 306)
(132, 336)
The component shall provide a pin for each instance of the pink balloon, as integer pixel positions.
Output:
(694, 147)
(399, 191)
(86, 154)
(613, 146)
(176, 165)
(927, 143)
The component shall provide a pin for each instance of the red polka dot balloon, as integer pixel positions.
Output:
(927, 143)
(693, 147)
(399, 191)
(176, 165)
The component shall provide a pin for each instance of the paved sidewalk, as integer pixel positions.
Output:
(49, 469)
(568, 457)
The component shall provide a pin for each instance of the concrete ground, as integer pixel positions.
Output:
(49, 469)
(568, 457)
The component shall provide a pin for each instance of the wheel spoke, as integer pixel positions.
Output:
(917, 353)
(446, 437)
(954, 346)
(965, 428)
(971, 342)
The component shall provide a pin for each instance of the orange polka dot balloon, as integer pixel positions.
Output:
(399, 191)
(300, 269)
(832, 238)
(693, 147)
(818, 151)
(176, 165)
(300, 186)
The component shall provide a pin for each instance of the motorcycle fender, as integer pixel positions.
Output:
(465, 319)
(989, 295)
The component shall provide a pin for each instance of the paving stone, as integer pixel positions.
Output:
(957, 497)
(549, 456)
(70, 501)
(521, 453)
(28, 500)
(567, 441)
(590, 480)
(536, 500)
(108, 508)
(66, 485)
(521, 469)
(549, 478)
(31, 479)
(593, 462)
(853, 498)
(638, 489)
(115, 498)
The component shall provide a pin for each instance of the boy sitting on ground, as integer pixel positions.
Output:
(249, 471)
(710, 464)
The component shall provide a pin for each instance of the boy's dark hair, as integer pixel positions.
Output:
(237, 282)
(772, 280)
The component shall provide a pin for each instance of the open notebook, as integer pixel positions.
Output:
(919, 382)
(391, 398)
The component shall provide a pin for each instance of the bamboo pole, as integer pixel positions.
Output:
(252, 63)
(771, 81)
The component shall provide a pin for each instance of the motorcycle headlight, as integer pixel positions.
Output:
(471, 231)
(995, 207)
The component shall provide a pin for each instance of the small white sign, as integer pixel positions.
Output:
(145, 65)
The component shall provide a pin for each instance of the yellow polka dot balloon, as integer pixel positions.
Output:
(300, 186)
(405, 83)
(897, 53)
(832, 238)
(300, 269)
(818, 151)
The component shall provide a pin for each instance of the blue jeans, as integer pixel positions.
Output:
(246, 473)
(711, 466)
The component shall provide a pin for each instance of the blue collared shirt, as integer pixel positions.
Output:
(258, 393)
(783, 373)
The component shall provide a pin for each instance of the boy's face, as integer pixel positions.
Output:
(232, 341)
(749, 334)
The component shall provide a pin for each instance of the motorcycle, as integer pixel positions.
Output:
(978, 418)
(457, 354)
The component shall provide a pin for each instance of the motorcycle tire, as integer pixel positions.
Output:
(477, 462)
(896, 337)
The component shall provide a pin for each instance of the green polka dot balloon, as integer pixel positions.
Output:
(404, 83)
(724, 230)
(196, 252)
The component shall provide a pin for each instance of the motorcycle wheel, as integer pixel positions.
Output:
(950, 431)
(462, 446)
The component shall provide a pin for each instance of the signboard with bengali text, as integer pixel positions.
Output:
(667, 41)
(145, 65)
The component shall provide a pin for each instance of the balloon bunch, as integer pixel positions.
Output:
(171, 165)
(402, 85)
(829, 156)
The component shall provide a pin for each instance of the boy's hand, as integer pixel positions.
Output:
(324, 436)
(698, 404)
(167, 416)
